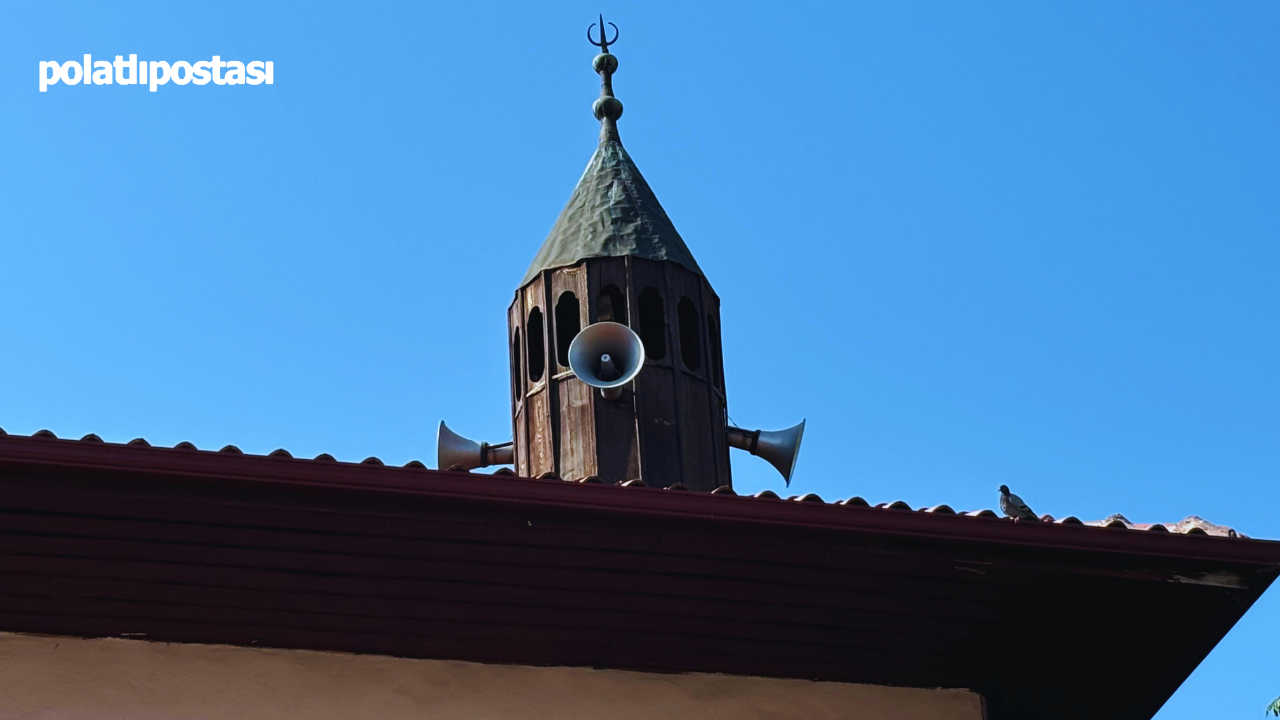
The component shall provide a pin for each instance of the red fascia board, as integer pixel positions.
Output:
(112, 461)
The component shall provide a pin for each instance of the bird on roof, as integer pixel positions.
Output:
(1013, 506)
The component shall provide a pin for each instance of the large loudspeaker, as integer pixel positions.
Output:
(606, 355)
(455, 451)
(780, 447)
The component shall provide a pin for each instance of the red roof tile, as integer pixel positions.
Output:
(1191, 525)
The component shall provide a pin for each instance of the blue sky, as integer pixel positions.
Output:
(972, 243)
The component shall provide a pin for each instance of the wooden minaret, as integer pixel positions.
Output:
(614, 255)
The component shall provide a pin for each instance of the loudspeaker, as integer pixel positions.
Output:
(780, 447)
(606, 355)
(453, 450)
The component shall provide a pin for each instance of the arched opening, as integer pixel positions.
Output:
(611, 306)
(716, 360)
(690, 337)
(568, 323)
(517, 376)
(537, 351)
(653, 332)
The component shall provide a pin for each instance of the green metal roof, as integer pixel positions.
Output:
(612, 213)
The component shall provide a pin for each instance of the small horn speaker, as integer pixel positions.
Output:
(453, 450)
(606, 355)
(780, 447)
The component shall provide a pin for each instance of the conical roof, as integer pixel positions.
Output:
(612, 213)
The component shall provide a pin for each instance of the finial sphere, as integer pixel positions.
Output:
(605, 63)
(607, 107)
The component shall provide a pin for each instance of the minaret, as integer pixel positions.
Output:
(614, 255)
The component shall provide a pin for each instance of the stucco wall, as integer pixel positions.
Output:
(74, 679)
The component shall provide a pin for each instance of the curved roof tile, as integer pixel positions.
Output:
(1191, 525)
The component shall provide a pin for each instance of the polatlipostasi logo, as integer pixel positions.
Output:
(155, 73)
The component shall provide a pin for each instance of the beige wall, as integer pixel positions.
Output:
(74, 679)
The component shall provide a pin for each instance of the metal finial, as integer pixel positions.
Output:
(604, 41)
(606, 108)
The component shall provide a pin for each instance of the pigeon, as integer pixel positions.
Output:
(1012, 506)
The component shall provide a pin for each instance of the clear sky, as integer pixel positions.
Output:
(972, 243)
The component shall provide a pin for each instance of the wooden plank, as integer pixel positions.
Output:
(519, 381)
(566, 280)
(397, 530)
(617, 449)
(649, 654)
(575, 426)
(658, 421)
(577, 429)
(693, 395)
(545, 572)
(658, 424)
(513, 650)
(718, 407)
(840, 610)
(552, 395)
(540, 452)
(697, 444)
(482, 624)
(538, 570)
(697, 449)
(862, 630)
